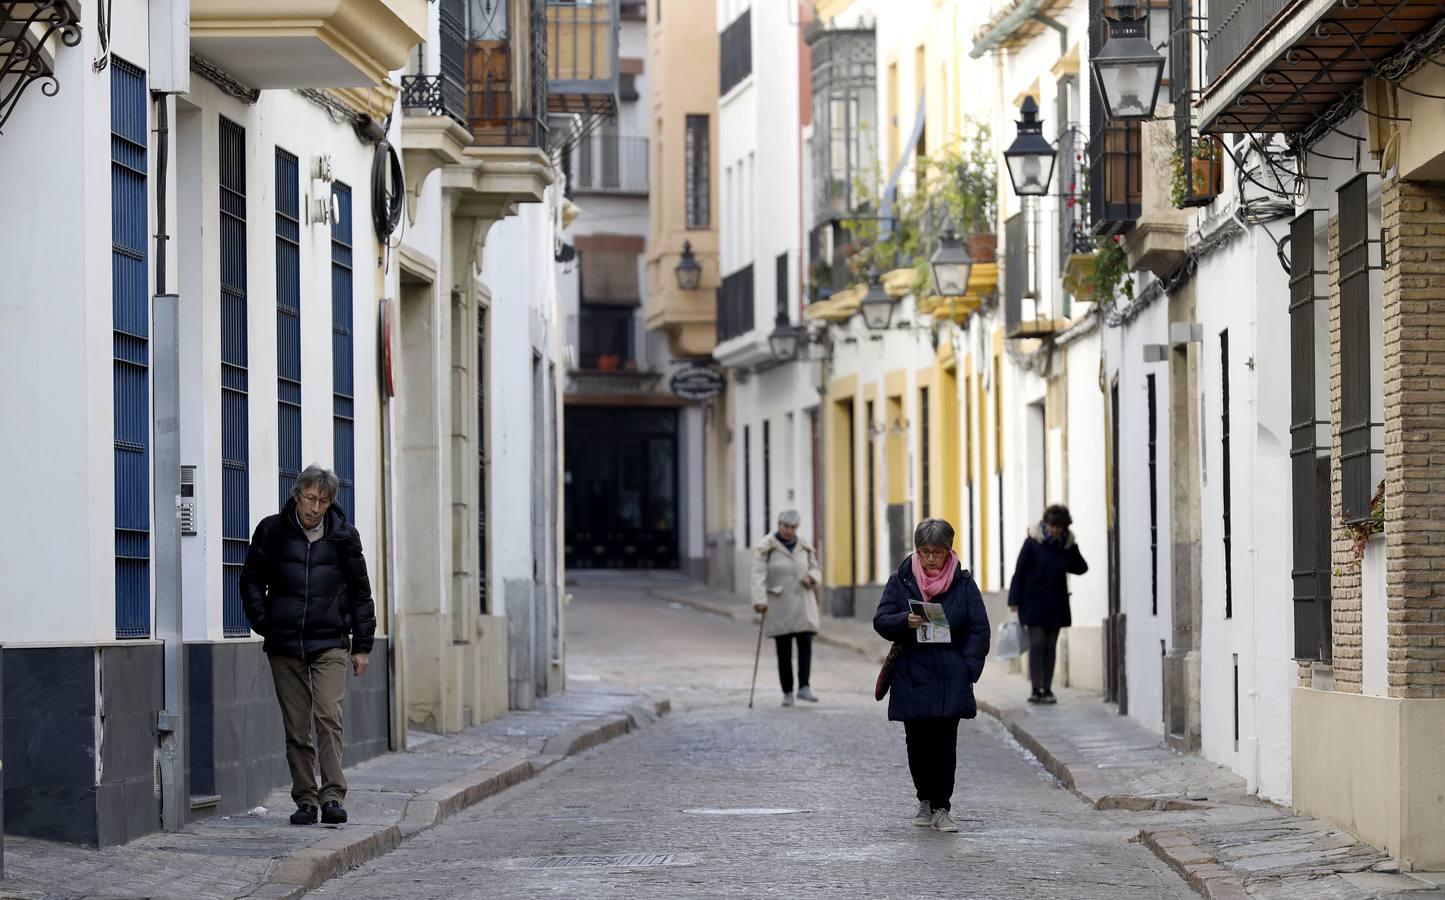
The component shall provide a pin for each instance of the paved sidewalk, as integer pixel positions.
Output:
(1197, 816)
(391, 799)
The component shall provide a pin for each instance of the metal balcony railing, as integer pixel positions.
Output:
(1233, 26)
(735, 305)
(581, 63)
(610, 164)
(434, 95)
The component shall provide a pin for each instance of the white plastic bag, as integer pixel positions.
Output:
(1010, 642)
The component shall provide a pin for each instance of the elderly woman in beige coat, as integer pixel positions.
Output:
(785, 576)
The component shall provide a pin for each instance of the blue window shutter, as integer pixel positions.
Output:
(130, 310)
(288, 322)
(235, 387)
(342, 353)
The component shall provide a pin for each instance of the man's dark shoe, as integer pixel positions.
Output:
(1036, 697)
(305, 814)
(333, 813)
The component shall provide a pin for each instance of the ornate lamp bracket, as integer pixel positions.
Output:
(26, 27)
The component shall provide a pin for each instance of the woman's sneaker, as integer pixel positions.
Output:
(942, 821)
(924, 817)
(806, 693)
(788, 699)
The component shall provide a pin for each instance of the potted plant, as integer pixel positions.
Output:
(1111, 277)
(1360, 532)
(970, 190)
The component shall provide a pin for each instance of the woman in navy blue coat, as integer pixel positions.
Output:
(1040, 593)
(932, 686)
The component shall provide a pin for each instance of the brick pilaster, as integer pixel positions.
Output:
(1413, 215)
(1345, 591)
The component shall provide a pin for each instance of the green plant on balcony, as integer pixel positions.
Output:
(959, 184)
(1111, 277)
(1203, 161)
(1360, 532)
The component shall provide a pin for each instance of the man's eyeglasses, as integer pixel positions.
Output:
(315, 500)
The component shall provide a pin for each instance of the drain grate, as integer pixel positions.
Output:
(613, 861)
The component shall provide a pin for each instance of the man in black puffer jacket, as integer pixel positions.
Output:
(305, 590)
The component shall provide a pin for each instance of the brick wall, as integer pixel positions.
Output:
(1414, 320)
(1345, 589)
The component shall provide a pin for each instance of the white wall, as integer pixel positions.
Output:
(58, 332)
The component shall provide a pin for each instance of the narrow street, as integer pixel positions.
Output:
(719, 800)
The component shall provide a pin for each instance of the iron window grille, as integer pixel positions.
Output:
(735, 54)
(925, 449)
(343, 389)
(1309, 456)
(1357, 427)
(482, 480)
(288, 323)
(235, 379)
(767, 476)
(747, 484)
(782, 286)
(1225, 482)
(735, 305)
(698, 150)
(1153, 496)
(130, 305)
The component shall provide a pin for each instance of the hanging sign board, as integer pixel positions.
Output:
(697, 382)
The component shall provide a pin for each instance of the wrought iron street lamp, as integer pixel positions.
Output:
(1030, 158)
(689, 273)
(951, 265)
(877, 305)
(1127, 68)
(784, 339)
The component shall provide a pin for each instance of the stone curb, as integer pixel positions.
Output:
(1197, 866)
(308, 868)
(745, 614)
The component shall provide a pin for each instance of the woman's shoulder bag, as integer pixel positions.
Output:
(885, 674)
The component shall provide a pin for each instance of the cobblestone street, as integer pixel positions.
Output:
(718, 800)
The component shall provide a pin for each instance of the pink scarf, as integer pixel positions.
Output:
(937, 583)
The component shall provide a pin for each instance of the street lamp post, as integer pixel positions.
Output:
(1127, 68)
(877, 305)
(951, 265)
(689, 273)
(1030, 158)
(784, 339)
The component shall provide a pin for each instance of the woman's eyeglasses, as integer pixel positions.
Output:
(932, 553)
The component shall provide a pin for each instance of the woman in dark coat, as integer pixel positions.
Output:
(1039, 594)
(932, 685)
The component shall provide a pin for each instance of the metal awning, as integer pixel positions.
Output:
(1017, 23)
(1310, 56)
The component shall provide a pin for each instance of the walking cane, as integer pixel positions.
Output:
(757, 656)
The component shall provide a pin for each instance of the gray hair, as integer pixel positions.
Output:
(933, 533)
(790, 517)
(324, 480)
